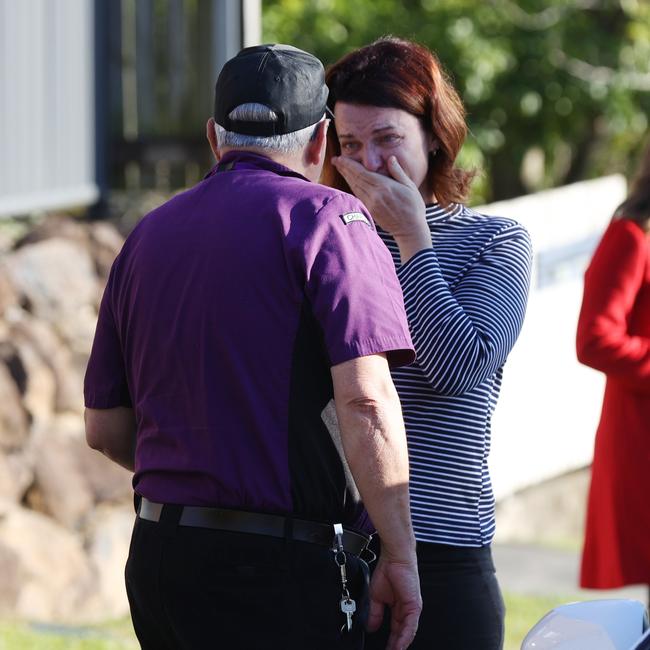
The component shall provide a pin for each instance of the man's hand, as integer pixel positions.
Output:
(374, 441)
(394, 203)
(396, 585)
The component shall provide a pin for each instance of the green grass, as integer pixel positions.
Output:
(115, 635)
(522, 612)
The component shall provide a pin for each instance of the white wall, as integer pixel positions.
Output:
(546, 418)
(46, 105)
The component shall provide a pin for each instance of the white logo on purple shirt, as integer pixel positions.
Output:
(350, 217)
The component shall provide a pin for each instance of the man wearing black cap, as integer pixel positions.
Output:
(233, 315)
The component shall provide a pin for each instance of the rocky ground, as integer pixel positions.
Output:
(65, 511)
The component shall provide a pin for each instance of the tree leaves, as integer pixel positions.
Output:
(565, 83)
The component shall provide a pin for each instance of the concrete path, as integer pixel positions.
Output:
(534, 570)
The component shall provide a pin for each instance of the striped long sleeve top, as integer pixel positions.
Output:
(465, 300)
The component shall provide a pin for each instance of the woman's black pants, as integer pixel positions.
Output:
(462, 604)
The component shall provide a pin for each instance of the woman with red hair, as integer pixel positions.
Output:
(399, 125)
(614, 337)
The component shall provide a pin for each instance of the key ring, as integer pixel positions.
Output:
(347, 603)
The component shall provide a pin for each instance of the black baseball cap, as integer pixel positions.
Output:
(289, 81)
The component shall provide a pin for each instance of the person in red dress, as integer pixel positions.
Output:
(614, 337)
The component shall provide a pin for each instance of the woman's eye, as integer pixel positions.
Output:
(348, 147)
(391, 138)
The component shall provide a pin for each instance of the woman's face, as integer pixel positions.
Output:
(370, 134)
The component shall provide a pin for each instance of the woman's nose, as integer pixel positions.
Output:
(372, 159)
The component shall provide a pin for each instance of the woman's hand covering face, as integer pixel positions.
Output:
(394, 202)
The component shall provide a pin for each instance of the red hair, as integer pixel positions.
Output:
(396, 73)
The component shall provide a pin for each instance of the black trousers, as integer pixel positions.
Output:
(462, 606)
(192, 588)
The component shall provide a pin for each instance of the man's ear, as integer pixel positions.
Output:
(211, 134)
(315, 151)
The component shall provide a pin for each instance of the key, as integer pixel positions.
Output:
(348, 607)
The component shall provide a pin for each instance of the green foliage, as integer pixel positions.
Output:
(556, 90)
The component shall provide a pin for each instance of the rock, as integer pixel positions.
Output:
(101, 238)
(68, 379)
(33, 373)
(55, 225)
(106, 480)
(62, 489)
(81, 332)
(6, 242)
(8, 294)
(11, 231)
(10, 357)
(34, 501)
(14, 421)
(12, 578)
(52, 579)
(70, 478)
(16, 475)
(107, 541)
(61, 556)
(57, 280)
(106, 242)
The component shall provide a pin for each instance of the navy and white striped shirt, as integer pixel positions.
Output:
(465, 300)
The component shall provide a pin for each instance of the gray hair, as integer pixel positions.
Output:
(287, 143)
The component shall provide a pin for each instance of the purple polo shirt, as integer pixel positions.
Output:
(221, 319)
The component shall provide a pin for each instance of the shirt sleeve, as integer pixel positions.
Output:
(464, 333)
(352, 287)
(612, 282)
(105, 382)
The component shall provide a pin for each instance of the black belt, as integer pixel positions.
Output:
(257, 523)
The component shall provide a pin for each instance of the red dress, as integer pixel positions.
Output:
(614, 337)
